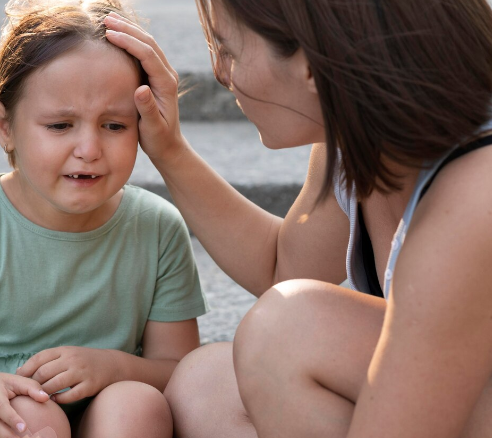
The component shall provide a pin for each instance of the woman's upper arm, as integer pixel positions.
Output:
(434, 355)
(170, 340)
(312, 242)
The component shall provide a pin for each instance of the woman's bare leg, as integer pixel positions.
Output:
(301, 356)
(127, 410)
(300, 337)
(204, 398)
(41, 415)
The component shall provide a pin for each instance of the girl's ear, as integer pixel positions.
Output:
(4, 128)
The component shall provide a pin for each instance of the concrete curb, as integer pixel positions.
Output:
(206, 99)
(276, 199)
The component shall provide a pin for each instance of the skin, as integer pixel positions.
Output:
(79, 117)
(311, 358)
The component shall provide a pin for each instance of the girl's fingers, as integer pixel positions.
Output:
(60, 381)
(21, 386)
(30, 368)
(7, 431)
(78, 392)
(14, 386)
(120, 24)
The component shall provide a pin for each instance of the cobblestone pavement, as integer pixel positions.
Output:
(228, 301)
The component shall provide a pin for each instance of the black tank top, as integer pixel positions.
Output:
(365, 240)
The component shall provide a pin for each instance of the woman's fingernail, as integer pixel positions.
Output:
(144, 95)
(20, 427)
(42, 392)
(109, 19)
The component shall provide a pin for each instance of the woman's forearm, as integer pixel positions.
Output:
(240, 236)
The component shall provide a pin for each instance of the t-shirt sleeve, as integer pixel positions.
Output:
(178, 295)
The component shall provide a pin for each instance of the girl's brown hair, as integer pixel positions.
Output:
(35, 32)
(401, 79)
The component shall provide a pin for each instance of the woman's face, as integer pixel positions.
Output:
(275, 93)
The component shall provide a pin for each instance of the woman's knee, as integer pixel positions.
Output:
(203, 394)
(41, 415)
(299, 327)
(199, 376)
(279, 315)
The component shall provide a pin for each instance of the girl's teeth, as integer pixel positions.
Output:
(77, 176)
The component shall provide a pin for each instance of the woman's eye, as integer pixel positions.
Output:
(114, 126)
(58, 126)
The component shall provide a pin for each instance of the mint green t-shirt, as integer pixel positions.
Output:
(94, 289)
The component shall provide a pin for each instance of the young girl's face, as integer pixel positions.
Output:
(75, 135)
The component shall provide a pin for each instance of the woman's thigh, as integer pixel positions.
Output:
(301, 356)
(204, 398)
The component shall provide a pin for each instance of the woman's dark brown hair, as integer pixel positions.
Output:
(400, 79)
(36, 32)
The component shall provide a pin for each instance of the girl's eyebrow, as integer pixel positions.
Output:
(116, 111)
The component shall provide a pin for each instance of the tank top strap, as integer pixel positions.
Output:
(425, 179)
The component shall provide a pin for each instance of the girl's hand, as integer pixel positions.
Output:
(86, 371)
(10, 387)
(160, 134)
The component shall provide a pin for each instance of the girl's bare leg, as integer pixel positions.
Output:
(301, 356)
(204, 398)
(124, 410)
(41, 415)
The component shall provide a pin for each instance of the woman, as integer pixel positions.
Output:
(388, 91)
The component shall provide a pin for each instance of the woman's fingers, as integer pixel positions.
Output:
(118, 23)
(162, 81)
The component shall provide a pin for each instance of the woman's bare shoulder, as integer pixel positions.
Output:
(448, 247)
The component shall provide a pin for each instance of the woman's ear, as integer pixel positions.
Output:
(311, 83)
(306, 73)
(4, 128)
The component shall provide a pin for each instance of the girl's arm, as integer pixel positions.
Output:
(434, 356)
(164, 345)
(252, 246)
(87, 371)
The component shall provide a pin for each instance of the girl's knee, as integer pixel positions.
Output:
(127, 409)
(40, 415)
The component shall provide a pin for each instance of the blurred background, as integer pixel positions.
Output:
(221, 134)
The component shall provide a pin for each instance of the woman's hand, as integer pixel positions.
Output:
(10, 387)
(85, 371)
(160, 134)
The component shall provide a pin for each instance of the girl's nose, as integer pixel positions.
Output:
(89, 148)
